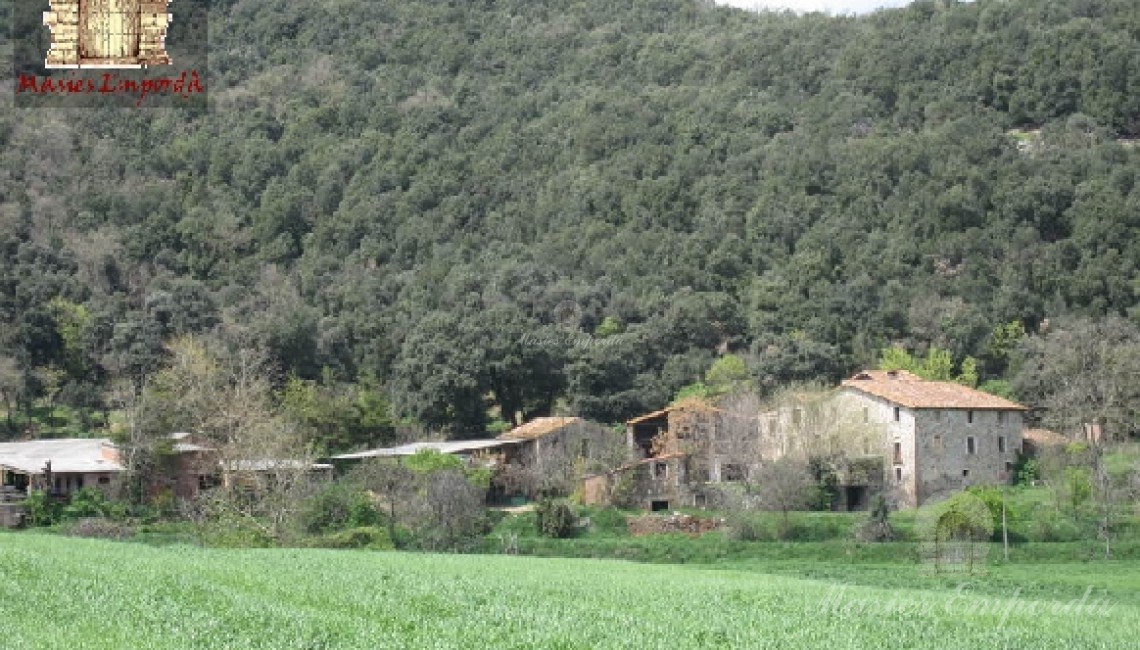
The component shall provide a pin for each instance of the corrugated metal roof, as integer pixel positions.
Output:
(67, 455)
(270, 464)
(412, 448)
(908, 390)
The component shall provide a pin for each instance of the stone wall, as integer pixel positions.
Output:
(63, 21)
(665, 524)
(946, 460)
(152, 38)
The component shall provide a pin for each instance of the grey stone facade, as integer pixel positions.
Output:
(932, 451)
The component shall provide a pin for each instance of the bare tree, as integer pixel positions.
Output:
(1081, 377)
(440, 504)
(1080, 373)
(552, 465)
(813, 421)
(225, 398)
(783, 485)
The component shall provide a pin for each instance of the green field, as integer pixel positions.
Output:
(58, 592)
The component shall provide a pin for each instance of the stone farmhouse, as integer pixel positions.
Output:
(677, 453)
(878, 432)
(940, 436)
(540, 456)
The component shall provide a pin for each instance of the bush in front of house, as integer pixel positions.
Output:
(877, 527)
(745, 528)
(337, 506)
(99, 527)
(90, 502)
(556, 518)
(366, 537)
(42, 509)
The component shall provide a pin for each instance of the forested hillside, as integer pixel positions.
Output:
(434, 212)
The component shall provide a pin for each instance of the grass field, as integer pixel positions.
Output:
(58, 592)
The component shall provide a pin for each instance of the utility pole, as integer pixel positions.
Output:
(1004, 527)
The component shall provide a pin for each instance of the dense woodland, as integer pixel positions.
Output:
(445, 216)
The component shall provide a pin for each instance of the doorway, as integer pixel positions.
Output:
(109, 32)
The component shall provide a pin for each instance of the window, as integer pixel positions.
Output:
(1001, 417)
(898, 473)
(866, 415)
(797, 416)
(938, 442)
(1008, 466)
(969, 417)
(660, 470)
(971, 448)
(104, 480)
(896, 414)
(730, 472)
(898, 453)
(1001, 444)
(965, 473)
(937, 416)
(658, 506)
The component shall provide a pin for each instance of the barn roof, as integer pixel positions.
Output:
(67, 455)
(540, 427)
(694, 404)
(911, 391)
(1044, 437)
(412, 448)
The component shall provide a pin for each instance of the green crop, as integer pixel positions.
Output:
(80, 594)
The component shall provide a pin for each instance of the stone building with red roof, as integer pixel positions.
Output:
(940, 436)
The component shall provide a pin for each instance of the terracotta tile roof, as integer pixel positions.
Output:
(1044, 437)
(684, 405)
(540, 427)
(911, 391)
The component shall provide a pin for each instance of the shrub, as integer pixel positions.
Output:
(556, 518)
(337, 506)
(993, 497)
(366, 537)
(750, 529)
(610, 521)
(99, 527)
(877, 527)
(1027, 470)
(42, 509)
(90, 502)
(234, 533)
